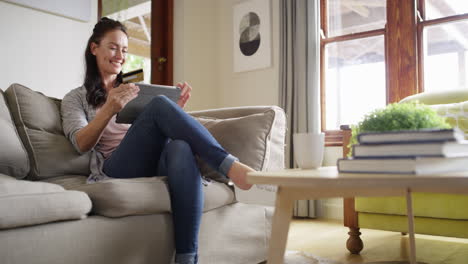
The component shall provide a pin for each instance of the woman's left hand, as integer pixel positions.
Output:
(185, 94)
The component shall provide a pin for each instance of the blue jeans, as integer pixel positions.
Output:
(163, 141)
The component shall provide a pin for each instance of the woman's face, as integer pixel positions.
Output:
(110, 52)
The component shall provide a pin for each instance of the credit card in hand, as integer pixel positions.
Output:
(133, 76)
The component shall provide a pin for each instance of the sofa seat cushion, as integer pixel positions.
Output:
(13, 157)
(37, 118)
(138, 196)
(25, 203)
(4, 177)
(435, 205)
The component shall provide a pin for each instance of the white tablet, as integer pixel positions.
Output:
(147, 92)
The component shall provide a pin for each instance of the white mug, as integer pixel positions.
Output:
(308, 149)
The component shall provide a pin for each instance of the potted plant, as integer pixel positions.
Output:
(394, 117)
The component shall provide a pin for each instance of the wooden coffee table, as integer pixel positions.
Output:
(297, 184)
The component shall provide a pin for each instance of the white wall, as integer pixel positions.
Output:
(195, 50)
(258, 87)
(203, 48)
(42, 51)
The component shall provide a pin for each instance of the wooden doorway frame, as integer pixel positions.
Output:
(162, 40)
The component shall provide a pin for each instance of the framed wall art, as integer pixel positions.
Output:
(78, 10)
(251, 35)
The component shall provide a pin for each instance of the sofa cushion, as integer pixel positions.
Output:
(456, 114)
(444, 96)
(25, 203)
(37, 118)
(39, 208)
(235, 134)
(11, 186)
(138, 196)
(13, 157)
(422, 225)
(435, 205)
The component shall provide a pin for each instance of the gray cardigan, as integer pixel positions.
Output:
(76, 114)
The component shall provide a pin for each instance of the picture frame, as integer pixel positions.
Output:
(76, 10)
(251, 35)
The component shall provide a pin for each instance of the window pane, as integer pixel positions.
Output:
(445, 56)
(443, 8)
(349, 16)
(355, 80)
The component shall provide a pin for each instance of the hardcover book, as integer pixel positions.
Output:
(415, 165)
(434, 149)
(412, 136)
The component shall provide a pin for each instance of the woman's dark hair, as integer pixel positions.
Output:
(96, 94)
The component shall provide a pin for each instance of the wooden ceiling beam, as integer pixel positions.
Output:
(359, 9)
(145, 28)
(139, 48)
(365, 3)
(136, 34)
(132, 12)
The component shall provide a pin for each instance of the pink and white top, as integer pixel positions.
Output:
(111, 137)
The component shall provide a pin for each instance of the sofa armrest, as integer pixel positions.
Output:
(255, 135)
(440, 97)
(233, 112)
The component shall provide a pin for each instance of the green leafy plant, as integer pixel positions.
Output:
(394, 117)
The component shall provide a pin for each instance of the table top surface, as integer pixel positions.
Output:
(329, 176)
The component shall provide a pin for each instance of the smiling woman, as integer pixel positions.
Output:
(110, 53)
(96, 65)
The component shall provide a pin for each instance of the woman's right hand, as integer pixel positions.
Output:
(118, 97)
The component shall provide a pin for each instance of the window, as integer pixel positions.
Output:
(443, 32)
(375, 52)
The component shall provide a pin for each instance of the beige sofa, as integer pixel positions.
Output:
(48, 214)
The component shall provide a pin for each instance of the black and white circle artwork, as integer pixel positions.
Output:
(249, 30)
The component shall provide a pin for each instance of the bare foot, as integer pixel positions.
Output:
(238, 175)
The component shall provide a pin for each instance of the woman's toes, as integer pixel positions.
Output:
(238, 175)
(242, 183)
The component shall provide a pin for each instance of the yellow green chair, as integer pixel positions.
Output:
(435, 214)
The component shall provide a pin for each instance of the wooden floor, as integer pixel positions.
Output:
(327, 238)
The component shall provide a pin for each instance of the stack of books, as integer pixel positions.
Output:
(408, 152)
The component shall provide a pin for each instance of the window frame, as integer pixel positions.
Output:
(422, 23)
(404, 56)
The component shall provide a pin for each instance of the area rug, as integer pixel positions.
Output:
(298, 257)
(393, 262)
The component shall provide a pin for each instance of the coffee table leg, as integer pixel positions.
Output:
(409, 210)
(279, 232)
